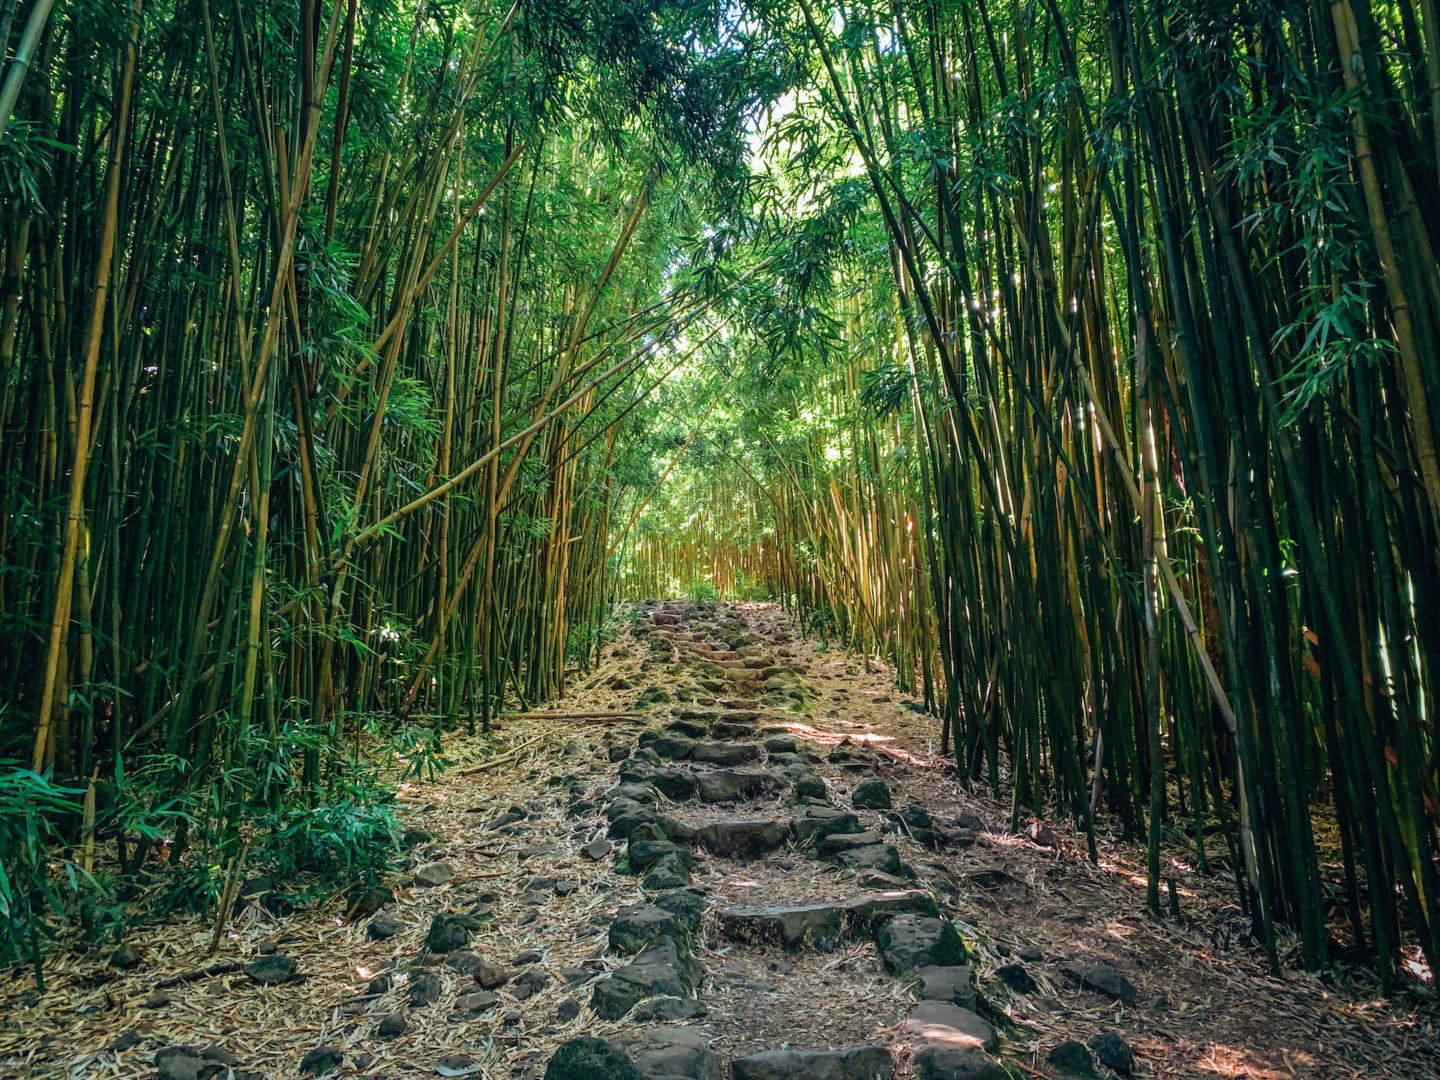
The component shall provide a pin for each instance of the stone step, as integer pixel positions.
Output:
(856, 1063)
(744, 839)
(798, 926)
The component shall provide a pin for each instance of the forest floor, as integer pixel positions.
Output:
(1059, 948)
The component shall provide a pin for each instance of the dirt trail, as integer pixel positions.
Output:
(755, 868)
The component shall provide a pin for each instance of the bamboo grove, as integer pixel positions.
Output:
(1116, 422)
(1076, 357)
(321, 327)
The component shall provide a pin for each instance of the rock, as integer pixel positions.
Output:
(920, 825)
(589, 1058)
(476, 1002)
(743, 839)
(529, 956)
(321, 1060)
(1017, 978)
(672, 747)
(955, 985)
(687, 906)
(646, 853)
(809, 786)
(433, 874)
(1031, 955)
(952, 1063)
(678, 1061)
(270, 970)
(368, 897)
(491, 975)
(391, 1026)
(1072, 1057)
(673, 783)
(942, 1022)
(637, 926)
(596, 850)
(869, 910)
(789, 927)
(818, 822)
(567, 1010)
(216, 1052)
(882, 857)
(156, 1001)
(669, 1008)
(424, 988)
(859, 1063)
(688, 729)
(184, 1063)
(449, 932)
(872, 793)
(730, 785)
(463, 961)
(781, 744)
(835, 843)
(383, 926)
(725, 753)
(660, 969)
(532, 850)
(1041, 835)
(1113, 1051)
(666, 876)
(126, 1040)
(529, 983)
(125, 958)
(1106, 980)
(909, 942)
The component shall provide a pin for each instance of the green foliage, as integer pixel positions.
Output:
(34, 814)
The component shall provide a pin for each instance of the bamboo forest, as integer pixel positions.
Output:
(719, 539)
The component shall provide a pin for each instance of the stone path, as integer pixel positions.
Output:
(759, 880)
(737, 786)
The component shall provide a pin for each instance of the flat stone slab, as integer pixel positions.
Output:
(882, 857)
(857, 1063)
(835, 843)
(798, 926)
(955, 984)
(731, 785)
(724, 753)
(940, 1022)
(743, 839)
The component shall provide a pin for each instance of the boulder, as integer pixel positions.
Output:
(910, 942)
(1072, 1058)
(872, 793)
(1104, 979)
(937, 1062)
(636, 926)
(857, 1063)
(589, 1058)
(1113, 1051)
